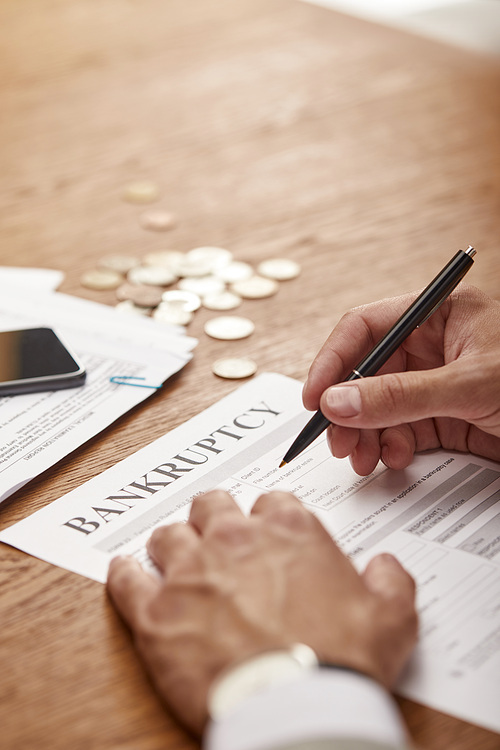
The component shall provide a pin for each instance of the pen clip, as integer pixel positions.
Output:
(124, 380)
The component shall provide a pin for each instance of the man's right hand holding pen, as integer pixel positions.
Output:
(440, 389)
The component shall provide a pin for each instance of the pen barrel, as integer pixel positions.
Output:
(426, 303)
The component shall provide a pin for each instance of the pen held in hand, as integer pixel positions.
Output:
(424, 306)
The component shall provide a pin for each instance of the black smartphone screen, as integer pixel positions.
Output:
(36, 359)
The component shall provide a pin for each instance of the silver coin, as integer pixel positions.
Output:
(256, 287)
(172, 313)
(229, 327)
(157, 220)
(143, 191)
(143, 295)
(101, 278)
(186, 300)
(130, 308)
(119, 263)
(221, 301)
(189, 268)
(237, 270)
(215, 257)
(164, 258)
(234, 367)
(153, 275)
(280, 269)
(202, 286)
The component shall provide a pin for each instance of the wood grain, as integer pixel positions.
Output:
(274, 129)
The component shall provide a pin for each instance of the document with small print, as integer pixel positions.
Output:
(38, 429)
(440, 517)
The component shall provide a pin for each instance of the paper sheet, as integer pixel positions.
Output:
(38, 429)
(440, 517)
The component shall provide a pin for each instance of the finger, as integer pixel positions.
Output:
(366, 454)
(352, 338)
(130, 588)
(397, 446)
(168, 545)
(385, 577)
(342, 440)
(284, 509)
(208, 508)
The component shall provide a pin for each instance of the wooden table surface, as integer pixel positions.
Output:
(274, 128)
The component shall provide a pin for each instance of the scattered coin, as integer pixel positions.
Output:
(166, 258)
(280, 269)
(215, 257)
(237, 270)
(157, 220)
(143, 191)
(256, 287)
(234, 367)
(153, 275)
(229, 327)
(141, 294)
(130, 308)
(203, 285)
(187, 300)
(119, 263)
(101, 278)
(173, 313)
(221, 301)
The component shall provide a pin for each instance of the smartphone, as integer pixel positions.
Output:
(35, 359)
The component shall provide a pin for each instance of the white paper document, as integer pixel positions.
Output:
(38, 429)
(440, 517)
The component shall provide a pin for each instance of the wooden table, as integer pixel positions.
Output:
(274, 129)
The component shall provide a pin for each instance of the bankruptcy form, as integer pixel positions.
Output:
(440, 517)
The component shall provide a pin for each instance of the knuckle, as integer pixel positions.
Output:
(230, 529)
(392, 393)
(287, 513)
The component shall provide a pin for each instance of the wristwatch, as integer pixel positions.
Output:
(247, 677)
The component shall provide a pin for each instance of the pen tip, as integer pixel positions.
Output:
(283, 463)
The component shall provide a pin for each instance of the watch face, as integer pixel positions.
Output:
(257, 673)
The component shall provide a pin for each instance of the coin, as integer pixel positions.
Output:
(166, 258)
(130, 308)
(141, 294)
(191, 268)
(173, 313)
(186, 300)
(280, 269)
(157, 220)
(229, 327)
(120, 263)
(234, 367)
(234, 271)
(221, 301)
(101, 278)
(153, 275)
(215, 257)
(143, 191)
(255, 287)
(203, 285)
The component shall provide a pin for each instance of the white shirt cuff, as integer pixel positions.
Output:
(321, 704)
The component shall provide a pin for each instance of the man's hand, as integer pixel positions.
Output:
(232, 587)
(440, 389)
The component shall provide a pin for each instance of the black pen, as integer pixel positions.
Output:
(423, 307)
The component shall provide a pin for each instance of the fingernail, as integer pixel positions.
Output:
(344, 400)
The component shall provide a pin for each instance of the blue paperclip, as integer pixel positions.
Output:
(123, 380)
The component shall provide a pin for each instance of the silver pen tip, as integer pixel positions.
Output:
(470, 251)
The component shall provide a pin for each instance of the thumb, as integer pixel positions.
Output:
(399, 398)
